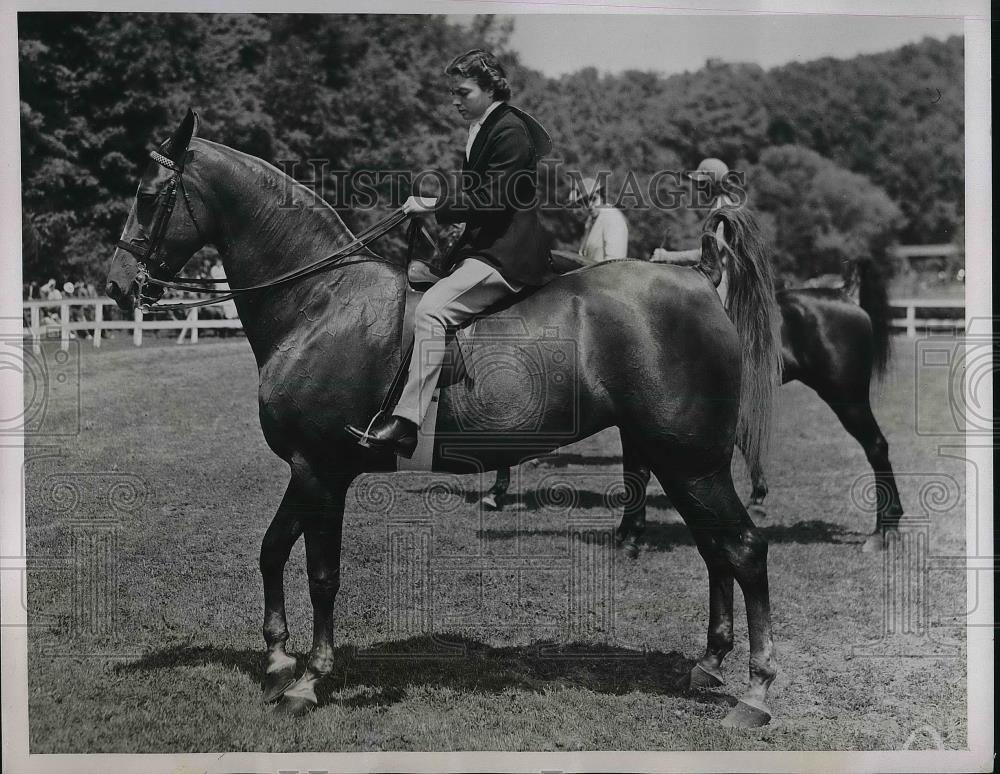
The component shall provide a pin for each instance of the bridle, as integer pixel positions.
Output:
(145, 246)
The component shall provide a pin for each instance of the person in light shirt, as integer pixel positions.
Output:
(502, 250)
(605, 237)
(711, 172)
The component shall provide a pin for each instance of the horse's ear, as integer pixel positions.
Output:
(177, 145)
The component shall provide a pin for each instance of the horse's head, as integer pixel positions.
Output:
(157, 240)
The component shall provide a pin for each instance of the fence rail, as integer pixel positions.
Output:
(911, 323)
(41, 321)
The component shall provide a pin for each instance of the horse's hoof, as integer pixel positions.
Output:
(294, 706)
(702, 678)
(874, 544)
(277, 682)
(747, 715)
(491, 503)
(757, 511)
(630, 548)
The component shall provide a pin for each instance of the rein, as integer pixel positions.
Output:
(144, 247)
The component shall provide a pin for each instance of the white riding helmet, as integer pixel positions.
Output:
(710, 169)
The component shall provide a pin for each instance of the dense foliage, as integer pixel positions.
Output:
(841, 157)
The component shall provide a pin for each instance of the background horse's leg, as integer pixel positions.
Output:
(323, 525)
(732, 546)
(758, 488)
(285, 529)
(857, 418)
(493, 500)
(635, 474)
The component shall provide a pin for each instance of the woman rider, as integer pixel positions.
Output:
(503, 249)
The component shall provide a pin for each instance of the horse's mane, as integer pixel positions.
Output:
(291, 211)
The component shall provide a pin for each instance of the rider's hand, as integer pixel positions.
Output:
(415, 205)
(659, 255)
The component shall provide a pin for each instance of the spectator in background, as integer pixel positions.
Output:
(50, 292)
(605, 237)
(710, 173)
(217, 272)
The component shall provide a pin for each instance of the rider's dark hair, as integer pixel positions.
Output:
(485, 68)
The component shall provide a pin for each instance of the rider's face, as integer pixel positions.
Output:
(470, 100)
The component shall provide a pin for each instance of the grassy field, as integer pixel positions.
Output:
(170, 472)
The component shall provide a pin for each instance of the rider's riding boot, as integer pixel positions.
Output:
(387, 431)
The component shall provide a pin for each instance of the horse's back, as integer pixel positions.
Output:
(648, 335)
(823, 333)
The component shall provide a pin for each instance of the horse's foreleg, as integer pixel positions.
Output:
(285, 529)
(493, 500)
(635, 474)
(323, 529)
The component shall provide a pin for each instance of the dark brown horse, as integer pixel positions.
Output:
(680, 379)
(828, 343)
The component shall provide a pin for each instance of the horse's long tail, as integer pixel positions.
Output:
(753, 310)
(874, 299)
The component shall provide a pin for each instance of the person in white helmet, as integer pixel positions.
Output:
(605, 236)
(711, 172)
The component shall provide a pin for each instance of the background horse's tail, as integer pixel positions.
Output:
(874, 299)
(753, 310)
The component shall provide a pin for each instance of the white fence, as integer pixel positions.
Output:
(46, 318)
(911, 324)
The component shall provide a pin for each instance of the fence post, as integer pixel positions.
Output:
(64, 325)
(137, 330)
(98, 319)
(36, 329)
(911, 321)
(193, 319)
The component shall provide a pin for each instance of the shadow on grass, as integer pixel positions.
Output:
(383, 674)
(666, 536)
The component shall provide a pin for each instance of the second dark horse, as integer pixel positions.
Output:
(829, 343)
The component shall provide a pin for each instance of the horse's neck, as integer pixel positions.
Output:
(266, 226)
(266, 223)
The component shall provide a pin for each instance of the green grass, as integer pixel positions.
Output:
(182, 670)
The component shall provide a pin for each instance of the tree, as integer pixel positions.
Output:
(824, 216)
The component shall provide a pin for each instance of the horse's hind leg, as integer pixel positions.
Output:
(733, 548)
(858, 420)
(322, 520)
(285, 529)
(635, 474)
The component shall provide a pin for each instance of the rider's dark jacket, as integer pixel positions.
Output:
(497, 199)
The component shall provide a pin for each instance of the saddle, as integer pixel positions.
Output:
(425, 269)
